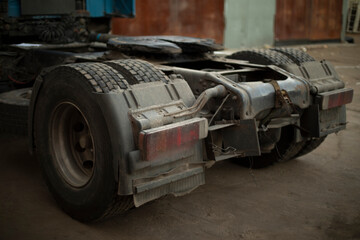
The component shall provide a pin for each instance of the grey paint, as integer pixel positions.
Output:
(249, 23)
(344, 18)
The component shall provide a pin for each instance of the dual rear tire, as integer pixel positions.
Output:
(72, 137)
(287, 147)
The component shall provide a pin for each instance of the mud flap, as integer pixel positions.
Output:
(319, 123)
(169, 160)
(177, 182)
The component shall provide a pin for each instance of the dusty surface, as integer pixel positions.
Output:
(314, 197)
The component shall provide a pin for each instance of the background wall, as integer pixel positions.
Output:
(239, 23)
(344, 18)
(195, 18)
(249, 23)
(308, 20)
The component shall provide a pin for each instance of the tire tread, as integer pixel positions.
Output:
(138, 71)
(310, 146)
(262, 56)
(101, 77)
(296, 55)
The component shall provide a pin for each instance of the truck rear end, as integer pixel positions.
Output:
(119, 121)
(149, 130)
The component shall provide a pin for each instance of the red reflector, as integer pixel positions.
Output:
(336, 98)
(171, 139)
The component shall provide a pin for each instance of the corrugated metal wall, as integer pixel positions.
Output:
(196, 18)
(310, 20)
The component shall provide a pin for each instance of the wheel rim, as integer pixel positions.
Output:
(72, 144)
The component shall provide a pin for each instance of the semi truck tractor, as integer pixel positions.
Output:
(118, 121)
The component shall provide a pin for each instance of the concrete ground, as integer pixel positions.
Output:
(316, 196)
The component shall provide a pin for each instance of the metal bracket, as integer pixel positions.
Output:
(282, 99)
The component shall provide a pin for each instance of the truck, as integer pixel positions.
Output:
(119, 121)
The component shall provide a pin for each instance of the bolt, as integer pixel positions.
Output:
(83, 141)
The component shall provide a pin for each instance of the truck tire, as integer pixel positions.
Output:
(73, 144)
(14, 111)
(138, 71)
(262, 56)
(297, 56)
(286, 148)
(310, 145)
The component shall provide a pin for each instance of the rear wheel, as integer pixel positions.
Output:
(262, 56)
(73, 143)
(138, 71)
(287, 147)
(296, 55)
(310, 145)
(299, 57)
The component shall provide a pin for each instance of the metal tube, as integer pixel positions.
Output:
(218, 91)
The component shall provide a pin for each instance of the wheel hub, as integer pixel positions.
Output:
(72, 144)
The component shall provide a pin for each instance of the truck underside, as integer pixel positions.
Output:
(121, 121)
